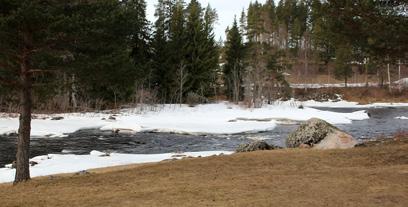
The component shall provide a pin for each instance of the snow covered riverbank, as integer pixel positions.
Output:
(58, 164)
(220, 118)
(346, 104)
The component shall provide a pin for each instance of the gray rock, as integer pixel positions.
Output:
(337, 140)
(33, 163)
(83, 172)
(255, 146)
(319, 134)
(13, 165)
(57, 118)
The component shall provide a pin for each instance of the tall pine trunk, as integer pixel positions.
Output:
(345, 81)
(23, 143)
(389, 78)
(399, 76)
(366, 71)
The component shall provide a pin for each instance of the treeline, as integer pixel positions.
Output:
(185, 53)
(97, 54)
(72, 54)
(268, 40)
(86, 54)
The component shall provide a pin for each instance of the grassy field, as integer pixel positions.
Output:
(375, 175)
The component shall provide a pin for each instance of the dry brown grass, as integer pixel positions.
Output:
(371, 95)
(367, 176)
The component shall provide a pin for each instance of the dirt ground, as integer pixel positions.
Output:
(373, 175)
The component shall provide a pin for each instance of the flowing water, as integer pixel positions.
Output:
(381, 123)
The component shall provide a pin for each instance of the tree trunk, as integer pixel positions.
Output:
(399, 76)
(23, 143)
(74, 92)
(399, 69)
(182, 79)
(366, 71)
(306, 55)
(236, 85)
(345, 81)
(181, 86)
(389, 77)
(328, 75)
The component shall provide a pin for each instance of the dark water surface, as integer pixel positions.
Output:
(381, 123)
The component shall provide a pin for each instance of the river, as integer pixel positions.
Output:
(381, 123)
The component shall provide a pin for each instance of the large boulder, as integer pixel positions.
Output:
(255, 146)
(319, 134)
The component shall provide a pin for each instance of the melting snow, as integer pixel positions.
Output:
(57, 164)
(220, 118)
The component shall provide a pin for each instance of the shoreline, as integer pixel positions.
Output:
(287, 177)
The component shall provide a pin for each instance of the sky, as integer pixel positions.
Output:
(226, 10)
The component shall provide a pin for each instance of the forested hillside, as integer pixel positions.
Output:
(82, 55)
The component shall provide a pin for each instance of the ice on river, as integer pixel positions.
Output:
(57, 164)
(220, 118)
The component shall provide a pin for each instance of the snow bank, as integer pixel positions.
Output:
(221, 118)
(57, 164)
(342, 104)
(403, 82)
(332, 85)
(402, 117)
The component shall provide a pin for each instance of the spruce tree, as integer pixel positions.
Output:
(112, 40)
(162, 71)
(201, 51)
(234, 65)
(177, 46)
(343, 63)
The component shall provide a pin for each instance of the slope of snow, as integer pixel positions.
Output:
(331, 85)
(403, 82)
(57, 164)
(221, 118)
(342, 104)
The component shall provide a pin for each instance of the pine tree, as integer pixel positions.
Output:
(254, 22)
(112, 44)
(162, 70)
(243, 24)
(201, 59)
(29, 39)
(212, 53)
(138, 28)
(343, 63)
(93, 40)
(234, 66)
(177, 46)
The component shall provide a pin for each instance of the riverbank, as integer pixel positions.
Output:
(216, 118)
(360, 95)
(375, 174)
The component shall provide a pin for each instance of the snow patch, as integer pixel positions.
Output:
(202, 119)
(342, 104)
(332, 85)
(402, 117)
(57, 164)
